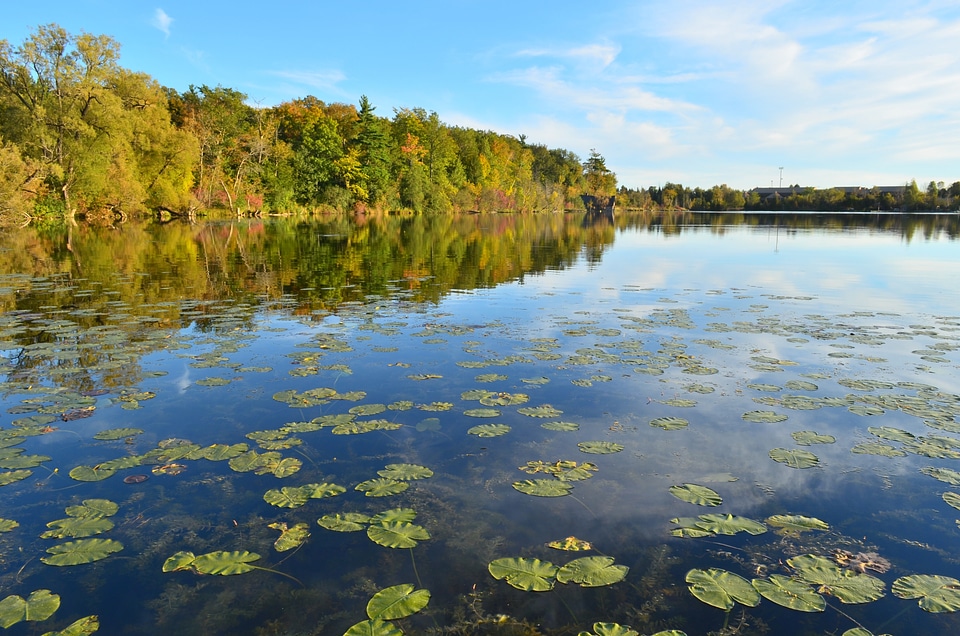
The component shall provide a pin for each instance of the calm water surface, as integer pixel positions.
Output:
(486, 352)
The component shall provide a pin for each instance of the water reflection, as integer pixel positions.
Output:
(199, 334)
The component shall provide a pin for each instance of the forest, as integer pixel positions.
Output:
(83, 137)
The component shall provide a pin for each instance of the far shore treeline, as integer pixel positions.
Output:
(81, 136)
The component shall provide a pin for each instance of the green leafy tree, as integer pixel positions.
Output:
(373, 146)
(600, 181)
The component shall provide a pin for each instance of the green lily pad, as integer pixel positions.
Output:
(946, 475)
(695, 494)
(6, 525)
(398, 601)
(381, 487)
(952, 499)
(397, 534)
(806, 438)
(530, 575)
(77, 527)
(39, 606)
(80, 552)
(489, 430)
(117, 433)
(764, 417)
(367, 409)
(23, 461)
(286, 497)
(561, 426)
(225, 563)
(600, 447)
(679, 402)
(544, 410)
(373, 627)
(220, 452)
(543, 487)
(937, 594)
(80, 627)
(180, 561)
(405, 472)
(891, 433)
(616, 629)
(790, 593)
(669, 423)
(13, 476)
(290, 537)
(721, 589)
(402, 515)
(729, 524)
(279, 468)
(793, 525)
(592, 571)
(482, 413)
(876, 448)
(794, 458)
(344, 521)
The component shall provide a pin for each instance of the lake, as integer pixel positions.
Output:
(487, 424)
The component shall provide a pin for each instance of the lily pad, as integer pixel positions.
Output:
(39, 606)
(790, 593)
(560, 426)
(765, 417)
(876, 448)
(482, 413)
(540, 411)
(398, 601)
(290, 537)
(80, 627)
(344, 521)
(806, 438)
(77, 527)
(793, 525)
(592, 571)
(6, 525)
(117, 433)
(729, 524)
(794, 458)
(80, 552)
(382, 487)
(669, 423)
(695, 494)
(721, 589)
(937, 594)
(225, 563)
(405, 472)
(600, 447)
(397, 534)
(13, 476)
(489, 430)
(373, 627)
(530, 575)
(543, 487)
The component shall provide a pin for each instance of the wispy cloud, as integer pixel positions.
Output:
(323, 80)
(162, 21)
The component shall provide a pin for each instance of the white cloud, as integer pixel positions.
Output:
(323, 80)
(162, 21)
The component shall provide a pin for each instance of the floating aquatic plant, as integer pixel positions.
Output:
(398, 601)
(721, 589)
(81, 551)
(381, 487)
(80, 627)
(600, 447)
(39, 606)
(696, 494)
(570, 544)
(405, 472)
(543, 487)
(937, 594)
(396, 534)
(489, 430)
(794, 458)
(290, 537)
(790, 593)
(530, 575)
(594, 571)
(669, 423)
(794, 525)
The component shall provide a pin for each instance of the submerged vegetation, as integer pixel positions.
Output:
(415, 462)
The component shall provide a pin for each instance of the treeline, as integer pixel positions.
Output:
(908, 198)
(80, 134)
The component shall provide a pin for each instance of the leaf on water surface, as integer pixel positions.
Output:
(290, 537)
(80, 552)
(279, 468)
(729, 524)
(180, 561)
(937, 594)
(23, 461)
(806, 438)
(790, 593)
(127, 461)
(540, 380)
(593, 571)
(600, 447)
(862, 409)
(570, 544)
(489, 430)
(891, 433)
(530, 575)
(405, 472)
(373, 627)
(367, 409)
(876, 448)
(482, 413)
(400, 405)
(543, 487)
(695, 494)
(398, 601)
(561, 426)
(397, 534)
(489, 377)
(721, 589)
(220, 452)
(39, 606)
(77, 527)
(544, 410)
(793, 525)
(225, 563)
(381, 487)
(344, 521)
(13, 476)
(800, 385)
(93, 508)
(6, 525)
(669, 423)
(616, 629)
(117, 433)
(90, 473)
(80, 627)
(764, 417)
(286, 497)
(794, 458)
(436, 406)
(679, 402)
(403, 515)
(953, 499)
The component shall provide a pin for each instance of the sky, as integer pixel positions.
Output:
(748, 93)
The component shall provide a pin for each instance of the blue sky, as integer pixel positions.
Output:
(693, 91)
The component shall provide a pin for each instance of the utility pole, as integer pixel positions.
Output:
(781, 176)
